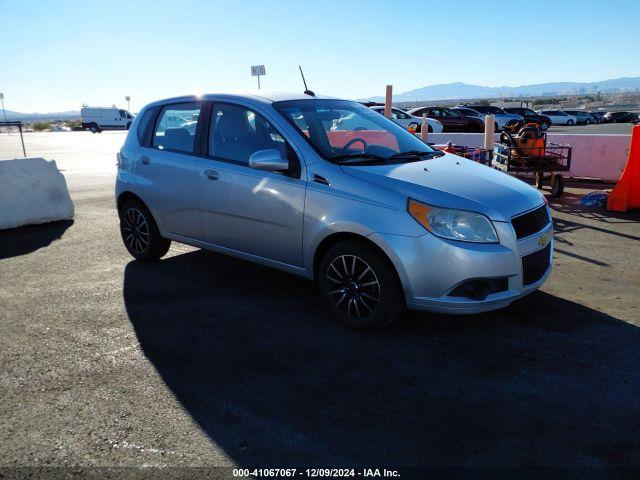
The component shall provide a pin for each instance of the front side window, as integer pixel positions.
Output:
(236, 133)
(175, 129)
(345, 131)
(122, 113)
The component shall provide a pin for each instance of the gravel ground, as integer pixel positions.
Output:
(204, 360)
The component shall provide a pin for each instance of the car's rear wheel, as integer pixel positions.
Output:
(473, 128)
(545, 126)
(94, 128)
(587, 121)
(360, 286)
(569, 122)
(140, 233)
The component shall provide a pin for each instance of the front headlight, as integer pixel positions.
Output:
(453, 224)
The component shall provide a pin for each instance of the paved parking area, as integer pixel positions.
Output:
(201, 359)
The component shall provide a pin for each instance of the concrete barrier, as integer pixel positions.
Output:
(597, 156)
(32, 190)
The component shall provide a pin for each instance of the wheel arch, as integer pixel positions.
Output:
(333, 239)
(127, 195)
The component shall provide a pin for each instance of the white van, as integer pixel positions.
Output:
(97, 119)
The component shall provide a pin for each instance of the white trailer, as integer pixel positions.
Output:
(97, 119)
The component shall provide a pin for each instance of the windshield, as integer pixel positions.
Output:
(345, 131)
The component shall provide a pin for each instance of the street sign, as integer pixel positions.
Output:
(127, 98)
(257, 70)
(1, 96)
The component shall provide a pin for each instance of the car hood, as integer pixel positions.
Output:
(454, 182)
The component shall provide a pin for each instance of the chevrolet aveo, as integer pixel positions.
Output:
(376, 217)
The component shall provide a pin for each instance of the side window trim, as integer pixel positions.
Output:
(295, 171)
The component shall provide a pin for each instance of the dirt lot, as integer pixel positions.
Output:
(201, 359)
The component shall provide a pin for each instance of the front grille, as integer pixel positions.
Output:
(531, 222)
(535, 265)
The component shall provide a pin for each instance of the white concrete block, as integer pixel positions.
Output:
(32, 191)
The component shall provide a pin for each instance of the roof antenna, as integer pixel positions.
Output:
(306, 90)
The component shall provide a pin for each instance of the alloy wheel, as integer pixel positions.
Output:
(353, 287)
(135, 230)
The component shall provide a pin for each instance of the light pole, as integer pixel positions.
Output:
(128, 99)
(4, 113)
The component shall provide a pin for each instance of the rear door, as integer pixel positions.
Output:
(251, 211)
(168, 170)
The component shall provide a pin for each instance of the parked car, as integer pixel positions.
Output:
(598, 116)
(582, 116)
(451, 120)
(97, 119)
(501, 117)
(620, 117)
(405, 119)
(558, 117)
(530, 116)
(375, 216)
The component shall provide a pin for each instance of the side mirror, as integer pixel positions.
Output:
(269, 159)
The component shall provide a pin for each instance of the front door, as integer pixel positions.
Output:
(247, 210)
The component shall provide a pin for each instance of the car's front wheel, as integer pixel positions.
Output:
(360, 286)
(140, 233)
(569, 122)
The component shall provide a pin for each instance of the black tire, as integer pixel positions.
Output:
(128, 126)
(472, 128)
(545, 126)
(94, 128)
(496, 128)
(570, 122)
(140, 233)
(353, 272)
(587, 121)
(429, 129)
(557, 186)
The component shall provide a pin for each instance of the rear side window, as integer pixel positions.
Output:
(176, 127)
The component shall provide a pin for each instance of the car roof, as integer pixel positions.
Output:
(259, 96)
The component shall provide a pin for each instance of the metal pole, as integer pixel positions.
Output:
(24, 152)
(258, 82)
(128, 106)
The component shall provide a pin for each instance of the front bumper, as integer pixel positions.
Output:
(430, 268)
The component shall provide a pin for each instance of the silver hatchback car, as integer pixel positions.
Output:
(376, 217)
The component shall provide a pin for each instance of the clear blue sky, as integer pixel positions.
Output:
(55, 55)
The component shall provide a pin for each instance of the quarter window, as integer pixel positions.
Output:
(176, 127)
(236, 133)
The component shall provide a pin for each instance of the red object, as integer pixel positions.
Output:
(626, 194)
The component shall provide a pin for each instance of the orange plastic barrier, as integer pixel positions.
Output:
(626, 194)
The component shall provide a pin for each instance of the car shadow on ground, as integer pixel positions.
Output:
(253, 359)
(21, 241)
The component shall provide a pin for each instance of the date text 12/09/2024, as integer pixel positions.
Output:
(314, 472)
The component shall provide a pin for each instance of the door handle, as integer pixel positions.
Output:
(211, 174)
(145, 160)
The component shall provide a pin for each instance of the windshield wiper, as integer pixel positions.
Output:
(418, 154)
(358, 156)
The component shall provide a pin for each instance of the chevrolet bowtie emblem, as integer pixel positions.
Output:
(543, 240)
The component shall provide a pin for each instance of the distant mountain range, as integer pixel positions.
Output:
(40, 117)
(458, 90)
